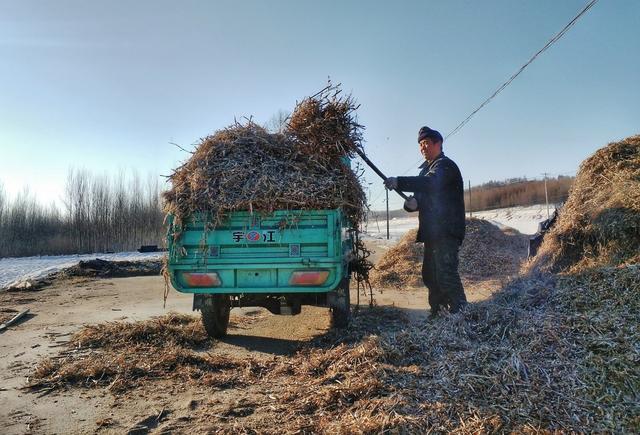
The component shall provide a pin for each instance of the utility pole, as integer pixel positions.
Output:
(546, 194)
(470, 212)
(387, 192)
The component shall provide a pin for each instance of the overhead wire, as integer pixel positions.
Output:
(500, 88)
(552, 41)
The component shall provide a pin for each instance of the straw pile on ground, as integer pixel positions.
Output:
(245, 167)
(487, 252)
(600, 222)
(401, 265)
(99, 268)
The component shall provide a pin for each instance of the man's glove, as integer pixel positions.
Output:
(411, 204)
(391, 183)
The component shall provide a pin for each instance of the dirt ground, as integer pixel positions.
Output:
(57, 311)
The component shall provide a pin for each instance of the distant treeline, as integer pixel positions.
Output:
(99, 214)
(517, 191)
(509, 193)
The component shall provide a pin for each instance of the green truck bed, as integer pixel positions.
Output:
(278, 261)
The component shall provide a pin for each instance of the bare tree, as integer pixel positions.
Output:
(3, 204)
(99, 213)
(278, 121)
(3, 201)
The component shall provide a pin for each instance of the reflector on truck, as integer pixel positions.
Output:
(309, 277)
(200, 279)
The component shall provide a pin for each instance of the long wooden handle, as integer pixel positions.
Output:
(377, 171)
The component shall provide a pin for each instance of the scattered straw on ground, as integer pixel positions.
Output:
(487, 252)
(527, 360)
(601, 308)
(123, 355)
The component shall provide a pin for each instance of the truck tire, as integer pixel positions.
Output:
(215, 315)
(341, 309)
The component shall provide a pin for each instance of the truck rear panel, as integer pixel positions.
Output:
(284, 252)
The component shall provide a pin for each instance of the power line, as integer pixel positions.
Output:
(552, 41)
(549, 43)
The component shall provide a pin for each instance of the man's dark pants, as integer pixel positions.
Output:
(440, 275)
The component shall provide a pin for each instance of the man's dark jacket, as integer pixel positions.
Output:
(440, 194)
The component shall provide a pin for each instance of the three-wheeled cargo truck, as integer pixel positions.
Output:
(279, 261)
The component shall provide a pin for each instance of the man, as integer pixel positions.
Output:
(439, 199)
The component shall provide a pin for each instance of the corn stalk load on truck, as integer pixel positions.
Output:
(279, 261)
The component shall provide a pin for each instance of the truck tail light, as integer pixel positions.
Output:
(309, 277)
(201, 279)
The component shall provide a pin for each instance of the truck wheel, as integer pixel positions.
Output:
(215, 315)
(341, 309)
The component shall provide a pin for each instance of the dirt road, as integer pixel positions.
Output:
(61, 309)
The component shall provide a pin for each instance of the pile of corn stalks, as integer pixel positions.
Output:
(304, 167)
(600, 223)
(486, 252)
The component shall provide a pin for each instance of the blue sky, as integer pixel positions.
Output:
(108, 85)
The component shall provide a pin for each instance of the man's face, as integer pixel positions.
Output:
(429, 148)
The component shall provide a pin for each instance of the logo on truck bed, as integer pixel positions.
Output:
(254, 236)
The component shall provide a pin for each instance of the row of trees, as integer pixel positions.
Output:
(508, 193)
(517, 191)
(98, 214)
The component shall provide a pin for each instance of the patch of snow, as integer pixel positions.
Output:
(14, 271)
(397, 228)
(523, 219)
